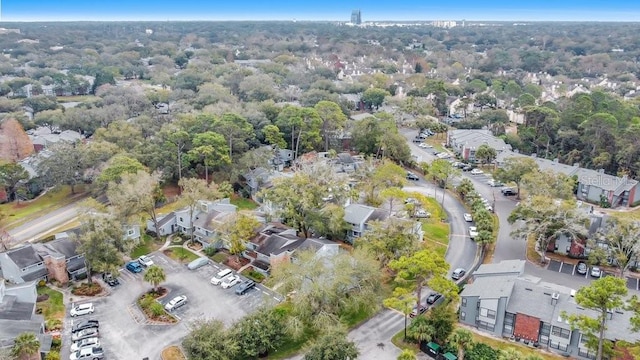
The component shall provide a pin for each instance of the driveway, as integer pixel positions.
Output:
(125, 334)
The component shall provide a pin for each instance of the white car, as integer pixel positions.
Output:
(176, 302)
(473, 232)
(216, 280)
(85, 334)
(596, 272)
(230, 281)
(422, 145)
(467, 217)
(421, 213)
(494, 183)
(82, 309)
(85, 343)
(145, 261)
(476, 172)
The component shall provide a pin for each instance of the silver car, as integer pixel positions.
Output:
(198, 263)
(176, 302)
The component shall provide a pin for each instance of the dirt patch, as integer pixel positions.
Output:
(196, 246)
(171, 191)
(43, 297)
(173, 353)
(236, 262)
(87, 289)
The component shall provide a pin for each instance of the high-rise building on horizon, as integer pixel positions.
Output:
(356, 18)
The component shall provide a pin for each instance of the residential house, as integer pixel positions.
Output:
(359, 217)
(346, 163)
(465, 143)
(207, 215)
(167, 224)
(18, 315)
(207, 223)
(258, 179)
(276, 243)
(55, 260)
(43, 137)
(529, 311)
(131, 232)
(593, 186)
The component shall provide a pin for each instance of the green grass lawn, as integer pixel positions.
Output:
(52, 308)
(219, 257)
(436, 231)
(180, 254)
(433, 206)
(19, 213)
(146, 246)
(77, 98)
(243, 204)
(500, 344)
(291, 346)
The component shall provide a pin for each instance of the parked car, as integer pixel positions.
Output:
(582, 268)
(458, 273)
(476, 172)
(85, 324)
(508, 192)
(176, 302)
(134, 267)
(82, 309)
(198, 263)
(245, 286)
(216, 280)
(418, 310)
(230, 281)
(110, 279)
(88, 353)
(85, 343)
(467, 217)
(411, 201)
(467, 168)
(84, 334)
(596, 272)
(422, 145)
(473, 232)
(145, 261)
(494, 183)
(421, 213)
(412, 176)
(433, 297)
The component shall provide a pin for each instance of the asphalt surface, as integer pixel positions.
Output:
(126, 334)
(34, 229)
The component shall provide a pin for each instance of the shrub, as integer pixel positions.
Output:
(53, 355)
(56, 343)
(53, 324)
(87, 289)
(42, 283)
(210, 251)
(156, 309)
(146, 301)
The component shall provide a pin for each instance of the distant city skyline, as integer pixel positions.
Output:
(329, 10)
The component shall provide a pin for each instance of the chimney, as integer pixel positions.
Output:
(554, 298)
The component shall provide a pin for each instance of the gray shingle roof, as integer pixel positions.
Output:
(35, 275)
(11, 309)
(24, 256)
(490, 287)
(505, 267)
(357, 213)
(278, 243)
(64, 246)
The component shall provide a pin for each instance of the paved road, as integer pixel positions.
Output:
(34, 229)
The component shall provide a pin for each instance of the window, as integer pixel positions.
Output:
(464, 302)
(509, 318)
(181, 220)
(130, 232)
(463, 315)
(491, 314)
(560, 332)
(545, 329)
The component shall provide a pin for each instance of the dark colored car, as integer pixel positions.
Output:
(508, 192)
(245, 286)
(134, 267)
(412, 176)
(110, 279)
(582, 268)
(85, 324)
(433, 297)
(467, 168)
(415, 312)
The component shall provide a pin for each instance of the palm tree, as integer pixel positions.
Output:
(26, 346)
(462, 338)
(421, 330)
(155, 275)
(407, 354)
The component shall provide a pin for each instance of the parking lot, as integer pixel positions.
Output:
(126, 334)
(570, 269)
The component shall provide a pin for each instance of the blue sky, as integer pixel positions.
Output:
(97, 10)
